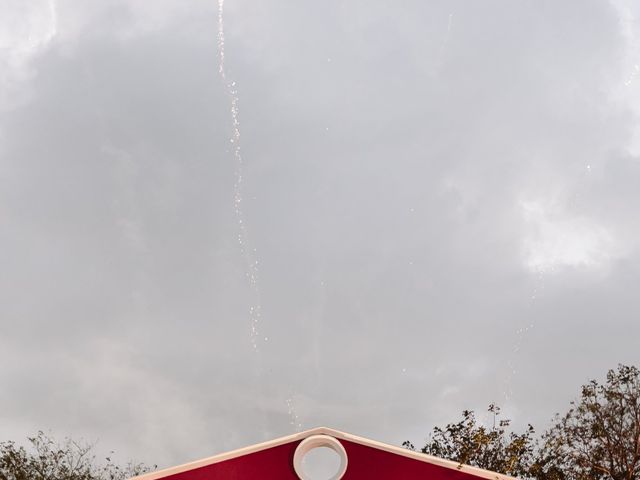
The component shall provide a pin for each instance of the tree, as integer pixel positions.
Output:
(49, 460)
(599, 437)
(493, 448)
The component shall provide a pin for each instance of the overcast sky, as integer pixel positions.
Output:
(441, 197)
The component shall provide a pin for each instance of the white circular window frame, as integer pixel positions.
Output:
(318, 441)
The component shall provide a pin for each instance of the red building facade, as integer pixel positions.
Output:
(360, 459)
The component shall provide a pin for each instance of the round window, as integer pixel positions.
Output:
(320, 457)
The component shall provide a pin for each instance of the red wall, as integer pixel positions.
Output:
(365, 463)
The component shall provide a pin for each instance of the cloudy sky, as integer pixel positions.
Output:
(430, 206)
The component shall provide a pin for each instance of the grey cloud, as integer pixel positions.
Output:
(441, 196)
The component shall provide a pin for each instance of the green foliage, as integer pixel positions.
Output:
(494, 448)
(597, 439)
(47, 460)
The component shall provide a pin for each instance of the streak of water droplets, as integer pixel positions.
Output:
(521, 334)
(632, 77)
(445, 42)
(294, 419)
(249, 254)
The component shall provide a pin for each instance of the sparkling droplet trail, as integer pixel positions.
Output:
(521, 335)
(250, 255)
(293, 416)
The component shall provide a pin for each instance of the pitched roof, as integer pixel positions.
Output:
(363, 459)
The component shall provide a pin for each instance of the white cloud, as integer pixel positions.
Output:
(554, 239)
(25, 29)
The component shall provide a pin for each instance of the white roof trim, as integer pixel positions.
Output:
(422, 457)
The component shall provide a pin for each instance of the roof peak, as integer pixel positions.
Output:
(352, 442)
